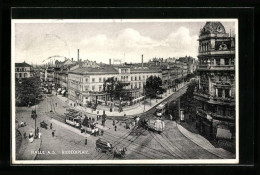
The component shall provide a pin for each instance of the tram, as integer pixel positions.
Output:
(153, 123)
(73, 118)
(160, 109)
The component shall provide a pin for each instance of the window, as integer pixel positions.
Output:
(100, 88)
(131, 78)
(131, 86)
(93, 88)
(104, 79)
(135, 78)
(100, 80)
(220, 92)
(227, 93)
(217, 61)
(86, 80)
(93, 79)
(139, 77)
(227, 61)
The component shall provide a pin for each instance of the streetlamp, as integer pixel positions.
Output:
(34, 116)
(144, 99)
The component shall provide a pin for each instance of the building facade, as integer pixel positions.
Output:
(23, 70)
(216, 90)
(86, 84)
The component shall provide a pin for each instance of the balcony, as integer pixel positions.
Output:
(204, 113)
(213, 99)
(216, 67)
(217, 52)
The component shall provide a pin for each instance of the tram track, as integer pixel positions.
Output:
(135, 143)
(131, 144)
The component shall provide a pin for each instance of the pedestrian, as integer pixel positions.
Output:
(39, 135)
(51, 126)
(56, 104)
(52, 133)
(37, 130)
(115, 127)
(24, 135)
(113, 122)
(102, 132)
(86, 141)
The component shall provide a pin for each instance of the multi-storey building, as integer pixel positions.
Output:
(190, 63)
(86, 83)
(23, 70)
(216, 91)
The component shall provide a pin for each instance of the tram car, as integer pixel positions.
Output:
(90, 128)
(160, 109)
(155, 124)
(73, 118)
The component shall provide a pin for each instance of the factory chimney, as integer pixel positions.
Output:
(110, 61)
(78, 55)
(142, 61)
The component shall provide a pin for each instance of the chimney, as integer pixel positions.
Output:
(142, 61)
(110, 61)
(78, 55)
(71, 59)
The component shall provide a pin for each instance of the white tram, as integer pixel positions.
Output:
(160, 109)
(73, 118)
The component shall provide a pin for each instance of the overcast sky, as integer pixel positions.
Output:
(99, 41)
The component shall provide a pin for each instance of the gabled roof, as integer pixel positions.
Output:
(24, 64)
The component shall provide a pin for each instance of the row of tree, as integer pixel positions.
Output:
(117, 90)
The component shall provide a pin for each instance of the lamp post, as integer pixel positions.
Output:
(144, 99)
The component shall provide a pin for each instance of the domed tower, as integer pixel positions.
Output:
(216, 90)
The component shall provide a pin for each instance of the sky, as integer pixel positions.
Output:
(115, 39)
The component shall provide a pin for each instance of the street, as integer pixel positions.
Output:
(69, 143)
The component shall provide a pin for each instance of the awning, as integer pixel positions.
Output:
(59, 90)
(101, 100)
(62, 92)
(223, 133)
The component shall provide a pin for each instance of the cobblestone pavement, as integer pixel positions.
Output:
(69, 144)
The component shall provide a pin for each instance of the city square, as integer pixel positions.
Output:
(153, 108)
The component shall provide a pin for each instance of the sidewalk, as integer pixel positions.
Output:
(139, 109)
(204, 143)
(28, 150)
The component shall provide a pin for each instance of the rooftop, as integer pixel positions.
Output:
(23, 64)
(96, 70)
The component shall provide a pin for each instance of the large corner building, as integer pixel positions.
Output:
(216, 90)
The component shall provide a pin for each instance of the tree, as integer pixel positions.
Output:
(153, 86)
(85, 121)
(115, 88)
(27, 90)
(187, 100)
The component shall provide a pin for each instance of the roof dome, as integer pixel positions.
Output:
(213, 28)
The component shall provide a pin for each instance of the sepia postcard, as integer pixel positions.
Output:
(125, 91)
